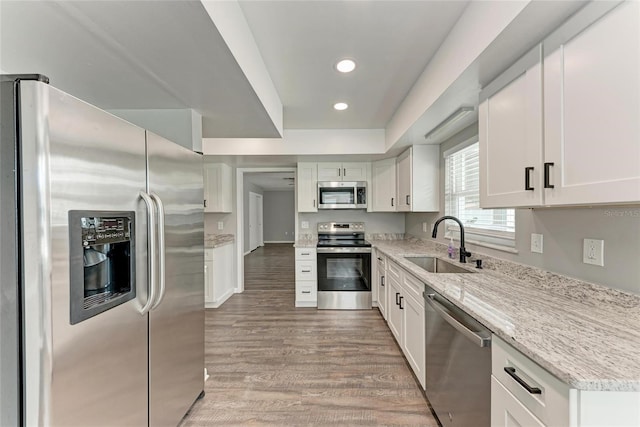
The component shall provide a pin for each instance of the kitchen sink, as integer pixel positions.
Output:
(436, 265)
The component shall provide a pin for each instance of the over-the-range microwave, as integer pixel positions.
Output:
(342, 195)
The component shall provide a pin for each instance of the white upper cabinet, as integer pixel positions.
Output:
(343, 171)
(418, 180)
(561, 126)
(592, 111)
(218, 187)
(383, 186)
(510, 134)
(307, 187)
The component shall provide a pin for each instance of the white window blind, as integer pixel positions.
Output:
(491, 227)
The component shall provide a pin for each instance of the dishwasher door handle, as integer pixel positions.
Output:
(479, 340)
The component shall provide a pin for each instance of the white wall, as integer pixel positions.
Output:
(279, 216)
(563, 230)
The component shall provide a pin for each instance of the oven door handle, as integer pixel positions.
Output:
(344, 250)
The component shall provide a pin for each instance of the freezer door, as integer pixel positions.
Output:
(176, 324)
(77, 157)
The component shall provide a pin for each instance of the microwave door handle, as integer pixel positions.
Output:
(161, 249)
(151, 232)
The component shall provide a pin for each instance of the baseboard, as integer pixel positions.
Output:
(217, 303)
(279, 241)
(247, 253)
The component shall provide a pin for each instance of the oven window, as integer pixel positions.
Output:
(336, 196)
(344, 272)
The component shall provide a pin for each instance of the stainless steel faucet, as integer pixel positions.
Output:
(463, 252)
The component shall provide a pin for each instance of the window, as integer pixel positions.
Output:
(486, 227)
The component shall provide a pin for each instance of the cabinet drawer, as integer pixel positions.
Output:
(306, 291)
(306, 270)
(381, 262)
(413, 287)
(305, 253)
(551, 405)
(394, 270)
(506, 410)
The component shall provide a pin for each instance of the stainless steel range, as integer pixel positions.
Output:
(344, 266)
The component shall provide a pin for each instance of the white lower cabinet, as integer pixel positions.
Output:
(406, 317)
(219, 275)
(306, 278)
(525, 394)
(381, 285)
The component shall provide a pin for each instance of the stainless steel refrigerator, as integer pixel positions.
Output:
(101, 239)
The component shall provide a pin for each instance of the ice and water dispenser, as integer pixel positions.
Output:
(102, 261)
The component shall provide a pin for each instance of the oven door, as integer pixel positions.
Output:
(344, 269)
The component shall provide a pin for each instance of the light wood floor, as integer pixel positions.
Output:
(274, 364)
(271, 267)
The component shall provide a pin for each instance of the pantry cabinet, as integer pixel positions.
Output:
(383, 186)
(218, 187)
(307, 187)
(418, 177)
(355, 171)
(560, 127)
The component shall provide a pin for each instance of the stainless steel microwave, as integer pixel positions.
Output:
(342, 195)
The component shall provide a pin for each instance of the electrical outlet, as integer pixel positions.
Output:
(536, 243)
(220, 225)
(304, 224)
(593, 252)
(424, 227)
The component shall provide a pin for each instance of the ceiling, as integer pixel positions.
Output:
(271, 181)
(391, 42)
(170, 55)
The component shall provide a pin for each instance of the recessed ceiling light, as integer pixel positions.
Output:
(346, 66)
(340, 106)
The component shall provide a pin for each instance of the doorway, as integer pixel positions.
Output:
(256, 230)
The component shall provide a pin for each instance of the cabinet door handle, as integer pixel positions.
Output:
(512, 373)
(397, 295)
(527, 178)
(392, 202)
(401, 307)
(381, 280)
(407, 199)
(314, 203)
(379, 259)
(205, 203)
(547, 172)
(344, 172)
(339, 172)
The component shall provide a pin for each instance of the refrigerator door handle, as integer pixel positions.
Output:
(161, 249)
(151, 232)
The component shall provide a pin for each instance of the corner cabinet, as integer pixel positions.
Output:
(418, 178)
(307, 187)
(218, 187)
(383, 186)
(560, 127)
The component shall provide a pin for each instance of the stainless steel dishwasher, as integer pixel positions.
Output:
(458, 357)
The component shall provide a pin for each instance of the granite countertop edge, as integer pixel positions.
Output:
(218, 240)
(549, 341)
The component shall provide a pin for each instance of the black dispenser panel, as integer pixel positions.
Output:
(102, 261)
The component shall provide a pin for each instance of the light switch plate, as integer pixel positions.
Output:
(305, 224)
(220, 225)
(536, 243)
(593, 252)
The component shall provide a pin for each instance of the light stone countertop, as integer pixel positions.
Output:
(217, 240)
(306, 243)
(586, 335)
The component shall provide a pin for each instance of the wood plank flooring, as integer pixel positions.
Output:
(271, 267)
(272, 364)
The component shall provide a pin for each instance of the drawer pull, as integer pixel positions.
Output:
(304, 253)
(306, 292)
(306, 271)
(512, 373)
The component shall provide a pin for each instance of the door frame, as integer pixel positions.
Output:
(240, 215)
(256, 233)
